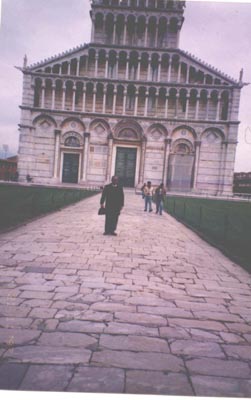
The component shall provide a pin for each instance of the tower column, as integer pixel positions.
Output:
(104, 99)
(142, 160)
(57, 133)
(146, 103)
(85, 155)
(63, 97)
(109, 158)
(166, 106)
(114, 31)
(136, 103)
(169, 70)
(146, 34)
(78, 66)
(106, 66)
(127, 69)
(124, 101)
(114, 101)
(197, 107)
(84, 98)
(53, 96)
(207, 107)
(159, 70)
(69, 68)
(168, 142)
(94, 99)
(73, 97)
(96, 65)
(43, 95)
(139, 68)
(196, 165)
(187, 107)
(218, 108)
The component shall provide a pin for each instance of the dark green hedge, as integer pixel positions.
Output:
(21, 203)
(225, 223)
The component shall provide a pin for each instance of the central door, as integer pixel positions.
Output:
(126, 165)
(70, 168)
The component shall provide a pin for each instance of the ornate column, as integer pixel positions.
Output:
(149, 70)
(224, 146)
(63, 98)
(60, 69)
(73, 97)
(127, 69)
(179, 72)
(146, 34)
(207, 107)
(53, 96)
(84, 98)
(94, 99)
(43, 95)
(69, 68)
(136, 103)
(218, 108)
(166, 106)
(197, 144)
(114, 101)
(104, 99)
(85, 155)
(187, 107)
(187, 74)
(168, 142)
(114, 31)
(142, 160)
(96, 65)
(78, 66)
(146, 103)
(197, 107)
(139, 71)
(56, 152)
(176, 106)
(124, 35)
(156, 35)
(124, 100)
(93, 29)
(169, 70)
(159, 70)
(109, 158)
(106, 66)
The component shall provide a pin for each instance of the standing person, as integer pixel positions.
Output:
(148, 196)
(113, 198)
(159, 195)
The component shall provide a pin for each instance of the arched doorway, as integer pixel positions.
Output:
(71, 159)
(181, 167)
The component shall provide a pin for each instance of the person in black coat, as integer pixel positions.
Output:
(113, 198)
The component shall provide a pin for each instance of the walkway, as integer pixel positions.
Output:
(155, 310)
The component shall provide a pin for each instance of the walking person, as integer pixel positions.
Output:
(159, 197)
(148, 191)
(112, 200)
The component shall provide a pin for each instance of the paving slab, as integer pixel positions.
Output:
(154, 310)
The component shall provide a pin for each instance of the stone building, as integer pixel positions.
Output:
(130, 103)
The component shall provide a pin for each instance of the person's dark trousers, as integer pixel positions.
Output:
(111, 221)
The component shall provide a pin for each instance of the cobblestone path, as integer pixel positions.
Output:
(155, 310)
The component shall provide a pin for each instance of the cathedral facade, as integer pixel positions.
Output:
(130, 103)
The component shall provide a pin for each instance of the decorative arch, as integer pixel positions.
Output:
(44, 119)
(157, 131)
(184, 129)
(212, 135)
(128, 130)
(75, 124)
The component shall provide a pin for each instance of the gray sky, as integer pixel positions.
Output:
(218, 33)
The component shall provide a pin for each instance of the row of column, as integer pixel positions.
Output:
(135, 100)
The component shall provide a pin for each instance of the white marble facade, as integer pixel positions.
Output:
(131, 103)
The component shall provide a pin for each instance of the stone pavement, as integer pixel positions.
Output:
(155, 310)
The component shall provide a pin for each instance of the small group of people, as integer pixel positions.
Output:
(148, 194)
(112, 200)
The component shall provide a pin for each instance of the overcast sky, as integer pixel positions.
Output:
(218, 33)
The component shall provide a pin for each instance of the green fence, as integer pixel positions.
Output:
(225, 223)
(20, 203)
